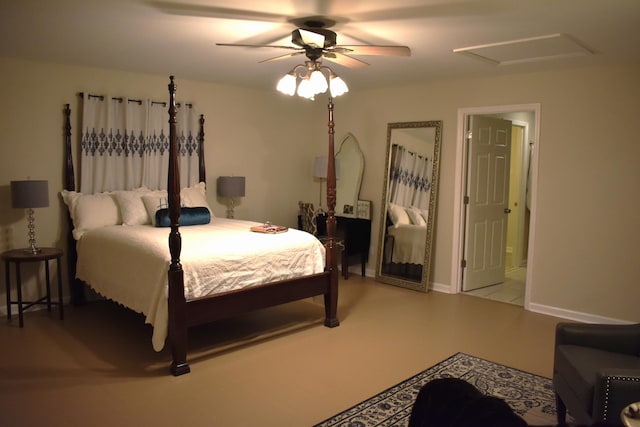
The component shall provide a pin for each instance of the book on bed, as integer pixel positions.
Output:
(269, 228)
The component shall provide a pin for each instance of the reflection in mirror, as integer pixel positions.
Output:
(350, 165)
(409, 204)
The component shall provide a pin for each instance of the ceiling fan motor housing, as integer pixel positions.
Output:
(329, 37)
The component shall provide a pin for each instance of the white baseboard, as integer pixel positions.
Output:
(575, 315)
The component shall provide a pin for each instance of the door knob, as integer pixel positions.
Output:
(507, 210)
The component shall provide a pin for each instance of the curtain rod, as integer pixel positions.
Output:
(137, 101)
(420, 156)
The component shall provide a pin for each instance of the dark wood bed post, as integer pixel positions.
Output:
(331, 297)
(202, 173)
(76, 286)
(177, 302)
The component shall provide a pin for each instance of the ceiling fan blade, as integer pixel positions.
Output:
(444, 9)
(374, 50)
(257, 46)
(345, 60)
(277, 58)
(175, 8)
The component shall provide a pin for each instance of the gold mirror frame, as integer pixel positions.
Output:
(431, 132)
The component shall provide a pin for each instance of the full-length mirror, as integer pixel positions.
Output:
(350, 166)
(409, 204)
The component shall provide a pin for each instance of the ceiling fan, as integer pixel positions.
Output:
(316, 41)
(312, 38)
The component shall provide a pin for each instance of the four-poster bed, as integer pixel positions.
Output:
(184, 308)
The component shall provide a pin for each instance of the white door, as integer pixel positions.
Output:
(487, 198)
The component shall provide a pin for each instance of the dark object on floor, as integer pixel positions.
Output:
(596, 371)
(452, 402)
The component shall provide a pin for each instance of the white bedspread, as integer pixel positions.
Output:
(409, 243)
(129, 264)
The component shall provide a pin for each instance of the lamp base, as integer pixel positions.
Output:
(32, 249)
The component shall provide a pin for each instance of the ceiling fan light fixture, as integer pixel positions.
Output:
(305, 89)
(318, 82)
(287, 84)
(312, 81)
(337, 86)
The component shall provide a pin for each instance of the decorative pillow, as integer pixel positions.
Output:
(398, 214)
(415, 216)
(132, 207)
(191, 197)
(153, 202)
(195, 196)
(89, 211)
(188, 216)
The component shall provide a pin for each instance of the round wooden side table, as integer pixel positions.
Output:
(19, 256)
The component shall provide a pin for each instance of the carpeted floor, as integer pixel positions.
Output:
(529, 395)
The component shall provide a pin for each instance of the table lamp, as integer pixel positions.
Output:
(29, 195)
(231, 187)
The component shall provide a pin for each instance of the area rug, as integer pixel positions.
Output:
(531, 396)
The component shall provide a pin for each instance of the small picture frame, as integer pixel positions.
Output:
(347, 209)
(364, 209)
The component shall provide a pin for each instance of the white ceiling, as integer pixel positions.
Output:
(179, 37)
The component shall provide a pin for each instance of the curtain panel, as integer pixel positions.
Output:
(125, 144)
(409, 182)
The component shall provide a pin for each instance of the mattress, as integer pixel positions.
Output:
(129, 264)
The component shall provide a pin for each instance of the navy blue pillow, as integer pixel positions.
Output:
(188, 216)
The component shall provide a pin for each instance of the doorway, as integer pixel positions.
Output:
(508, 250)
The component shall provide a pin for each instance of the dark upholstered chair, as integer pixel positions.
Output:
(596, 371)
(307, 218)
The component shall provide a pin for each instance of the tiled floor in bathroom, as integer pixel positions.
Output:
(511, 291)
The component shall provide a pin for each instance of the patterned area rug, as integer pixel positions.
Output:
(530, 395)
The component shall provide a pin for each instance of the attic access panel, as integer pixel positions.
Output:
(553, 46)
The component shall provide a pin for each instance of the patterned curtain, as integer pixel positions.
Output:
(409, 182)
(125, 144)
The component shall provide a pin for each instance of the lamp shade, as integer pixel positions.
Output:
(320, 167)
(231, 186)
(29, 194)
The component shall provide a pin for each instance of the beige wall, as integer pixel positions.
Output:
(586, 228)
(586, 261)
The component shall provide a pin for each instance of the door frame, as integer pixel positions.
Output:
(459, 192)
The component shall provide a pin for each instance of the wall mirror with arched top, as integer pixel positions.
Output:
(409, 204)
(350, 166)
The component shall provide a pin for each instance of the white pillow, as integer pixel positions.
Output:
(415, 216)
(195, 196)
(153, 201)
(398, 215)
(425, 215)
(131, 206)
(90, 211)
